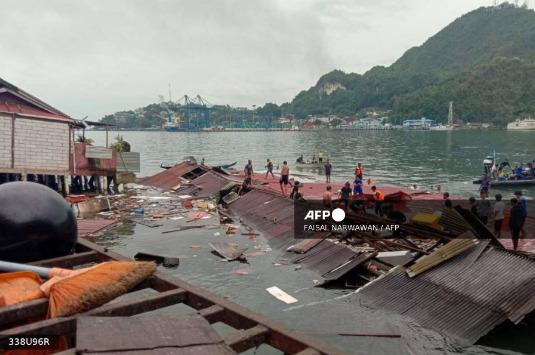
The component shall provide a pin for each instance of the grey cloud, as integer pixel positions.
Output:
(97, 57)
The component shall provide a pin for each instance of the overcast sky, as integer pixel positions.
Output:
(94, 57)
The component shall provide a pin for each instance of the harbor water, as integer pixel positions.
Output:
(451, 159)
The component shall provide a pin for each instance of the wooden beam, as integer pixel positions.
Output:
(212, 314)
(54, 326)
(243, 340)
(22, 311)
(69, 261)
(309, 351)
(140, 305)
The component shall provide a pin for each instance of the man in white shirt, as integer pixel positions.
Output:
(499, 207)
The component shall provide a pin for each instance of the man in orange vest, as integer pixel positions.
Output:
(379, 198)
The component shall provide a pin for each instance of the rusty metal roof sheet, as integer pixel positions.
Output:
(465, 297)
(170, 178)
(273, 216)
(205, 185)
(90, 226)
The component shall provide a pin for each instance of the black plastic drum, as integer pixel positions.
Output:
(35, 223)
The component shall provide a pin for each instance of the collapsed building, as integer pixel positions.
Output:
(449, 274)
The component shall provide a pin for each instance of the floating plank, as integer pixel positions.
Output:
(281, 295)
(227, 250)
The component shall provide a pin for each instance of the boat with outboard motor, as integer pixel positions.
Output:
(503, 175)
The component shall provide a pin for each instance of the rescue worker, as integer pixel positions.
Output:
(379, 199)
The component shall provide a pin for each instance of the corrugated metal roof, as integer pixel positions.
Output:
(13, 100)
(90, 226)
(205, 185)
(169, 178)
(465, 297)
(273, 216)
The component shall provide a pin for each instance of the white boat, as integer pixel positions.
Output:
(525, 124)
(441, 128)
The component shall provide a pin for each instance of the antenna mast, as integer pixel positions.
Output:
(450, 114)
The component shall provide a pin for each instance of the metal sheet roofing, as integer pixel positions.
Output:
(169, 178)
(205, 185)
(465, 297)
(273, 216)
(16, 101)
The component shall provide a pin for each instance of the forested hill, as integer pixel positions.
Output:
(484, 61)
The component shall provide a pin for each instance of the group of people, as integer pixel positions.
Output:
(485, 211)
(284, 179)
(504, 171)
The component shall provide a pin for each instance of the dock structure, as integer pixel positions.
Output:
(35, 138)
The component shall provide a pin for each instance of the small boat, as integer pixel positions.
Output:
(490, 172)
(306, 165)
(226, 166)
(505, 183)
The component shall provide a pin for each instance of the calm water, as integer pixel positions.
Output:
(451, 159)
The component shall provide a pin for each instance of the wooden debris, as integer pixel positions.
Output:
(281, 295)
(228, 251)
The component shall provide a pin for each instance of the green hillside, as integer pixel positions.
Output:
(484, 61)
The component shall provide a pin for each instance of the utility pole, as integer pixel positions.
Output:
(170, 100)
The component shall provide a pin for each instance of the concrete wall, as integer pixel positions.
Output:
(5, 141)
(40, 146)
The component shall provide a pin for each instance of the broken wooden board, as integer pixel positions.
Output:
(227, 250)
(281, 295)
(190, 334)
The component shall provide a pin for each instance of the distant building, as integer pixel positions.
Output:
(421, 123)
(35, 138)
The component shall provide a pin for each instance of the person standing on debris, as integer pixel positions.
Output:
(295, 191)
(484, 207)
(328, 197)
(328, 168)
(485, 185)
(379, 199)
(359, 170)
(447, 201)
(515, 221)
(357, 187)
(473, 206)
(524, 207)
(269, 168)
(249, 169)
(246, 186)
(285, 177)
(499, 207)
(345, 194)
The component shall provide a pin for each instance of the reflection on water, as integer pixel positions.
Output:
(451, 159)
